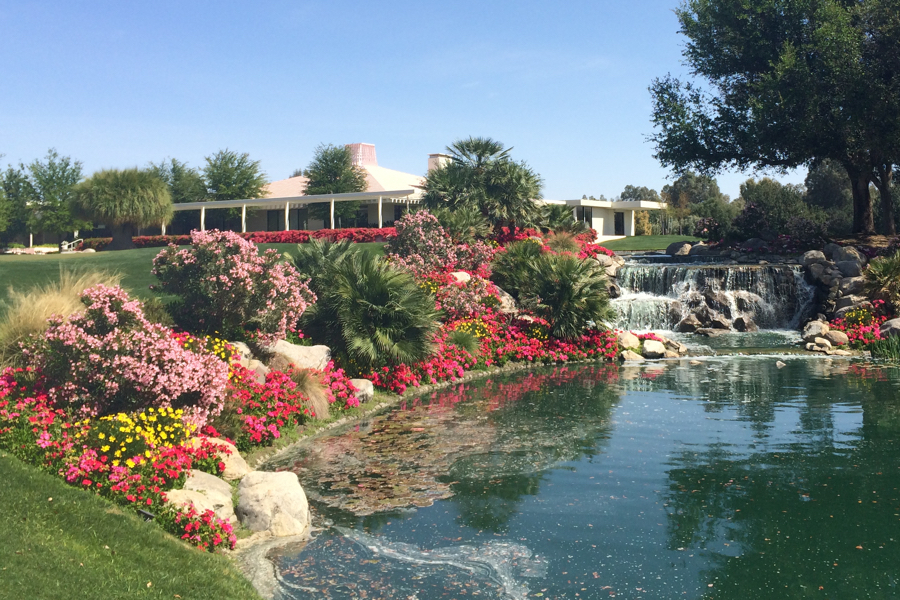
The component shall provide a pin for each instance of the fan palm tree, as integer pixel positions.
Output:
(315, 258)
(559, 217)
(371, 314)
(570, 293)
(123, 200)
(464, 224)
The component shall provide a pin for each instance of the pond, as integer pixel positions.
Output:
(732, 478)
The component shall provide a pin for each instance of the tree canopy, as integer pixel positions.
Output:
(332, 172)
(233, 176)
(185, 183)
(47, 193)
(123, 200)
(481, 175)
(786, 83)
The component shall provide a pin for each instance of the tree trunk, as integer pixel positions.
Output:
(883, 182)
(121, 237)
(863, 219)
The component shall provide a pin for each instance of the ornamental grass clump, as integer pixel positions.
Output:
(224, 285)
(110, 359)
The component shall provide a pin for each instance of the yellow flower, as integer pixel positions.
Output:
(104, 448)
(115, 463)
(130, 463)
(102, 436)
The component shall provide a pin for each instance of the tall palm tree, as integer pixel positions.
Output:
(478, 152)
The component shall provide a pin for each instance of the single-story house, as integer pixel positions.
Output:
(611, 220)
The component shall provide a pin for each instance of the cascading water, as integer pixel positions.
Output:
(658, 296)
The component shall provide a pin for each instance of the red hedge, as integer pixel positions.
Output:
(355, 234)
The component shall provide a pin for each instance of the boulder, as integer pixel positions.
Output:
(613, 289)
(260, 370)
(754, 244)
(830, 249)
(244, 353)
(699, 250)
(718, 301)
(461, 276)
(840, 352)
(606, 261)
(365, 390)
(852, 285)
(507, 303)
(653, 349)
(627, 339)
(812, 257)
(628, 355)
(205, 491)
(849, 268)
(720, 322)
(235, 465)
(814, 329)
(780, 364)
(849, 253)
(679, 249)
(745, 324)
(841, 312)
(273, 502)
(815, 272)
(848, 301)
(689, 324)
(890, 328)
(303, 357)
(837, 338)
(671, 354)
(673, 345)
(822, 343)
(707, 332)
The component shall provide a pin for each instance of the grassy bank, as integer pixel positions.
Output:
(648, 242)
(26, 271)
(57, 542)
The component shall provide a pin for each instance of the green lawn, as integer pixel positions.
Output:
(81, 546)
(23, 271)
(648, 242)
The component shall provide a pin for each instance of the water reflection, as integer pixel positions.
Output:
(732, 478)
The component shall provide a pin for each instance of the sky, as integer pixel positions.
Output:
(121, 84)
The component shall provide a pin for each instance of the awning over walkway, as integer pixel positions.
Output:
(296, 201)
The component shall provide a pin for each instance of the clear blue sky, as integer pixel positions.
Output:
(119, 84)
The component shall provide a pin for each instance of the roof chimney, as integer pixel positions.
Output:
(436, 161)
(363, 155)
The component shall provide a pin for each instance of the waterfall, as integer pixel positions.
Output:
(658, 296)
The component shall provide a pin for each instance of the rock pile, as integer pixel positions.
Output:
(836, 271)
(636, 350)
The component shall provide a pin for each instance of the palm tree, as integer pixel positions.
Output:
(478, 152)
(559, 218)
(568, 292)
(464, 224)
(315, 258)
(371, 314)
(123, 200)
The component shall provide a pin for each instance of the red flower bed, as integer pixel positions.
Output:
(354, 234)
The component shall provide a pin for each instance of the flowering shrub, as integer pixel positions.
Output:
(204, 530)
(421, 244)
(475, 258)
(590, 250)
(225, 285)
(111, 359)
(213, 345)
(460, 300)
(507, 235)
(447, 364)
(862, 325)
(127, 436)
(356, 235)
(338, 387)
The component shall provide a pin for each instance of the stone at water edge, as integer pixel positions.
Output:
(673, 345)
(613, 289)
(235, 465)
(628, 355)
(745, 325)
(678, 249)
(780, 364)
(461, 276)
(303, 357)
(365, 390)
(627, 339)
(671, 354)
(205, 491)
(707, 332)
(273, 502)
(814, 329)
(689, 324)
(695, 363)
(720, 322)
(822, 343)
(837, 338)
(700, 249)
(839, 352)
(815, 272)
(890, 328)
(653, 349)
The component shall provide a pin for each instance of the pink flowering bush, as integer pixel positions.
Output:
(203, 530)
(340, 391)
(423, 242)
(110, 359)
(459, 300)
(225, 285)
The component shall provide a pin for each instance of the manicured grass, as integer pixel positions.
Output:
(81, 546)
(648, 242)
(23, 271)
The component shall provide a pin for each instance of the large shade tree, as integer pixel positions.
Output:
(47, 193)
(123, 200)
(783, 83)
(332, 171)
(481, 175)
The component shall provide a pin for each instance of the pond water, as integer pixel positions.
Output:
(729, 479)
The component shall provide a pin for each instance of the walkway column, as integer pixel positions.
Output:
(287, 216)
(332, 213)
(164, 229)
(243, 218)
(31, 240)
(202, 218)
(379, 212)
